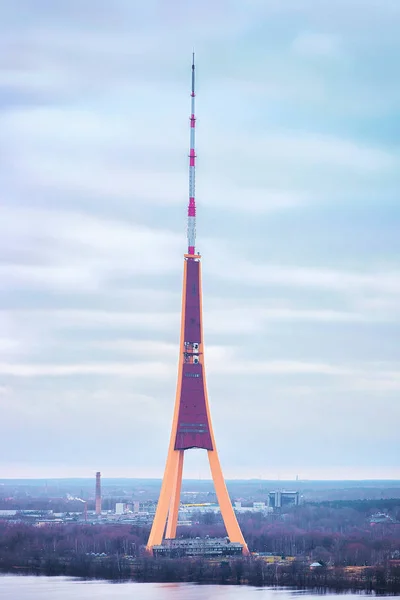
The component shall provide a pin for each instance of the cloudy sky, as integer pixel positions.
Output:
(298, 225)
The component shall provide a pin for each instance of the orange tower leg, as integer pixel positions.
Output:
(228, 514)
(163, 505)
(175, 498)
(160, 518)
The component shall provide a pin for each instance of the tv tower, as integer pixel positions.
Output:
(191, 425)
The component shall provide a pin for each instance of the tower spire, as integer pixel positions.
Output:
(191, 227)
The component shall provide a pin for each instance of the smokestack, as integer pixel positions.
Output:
(98, 493)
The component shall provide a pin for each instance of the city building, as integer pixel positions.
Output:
(279, 499)
(120, 508)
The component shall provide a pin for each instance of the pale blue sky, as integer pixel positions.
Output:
(298, 224)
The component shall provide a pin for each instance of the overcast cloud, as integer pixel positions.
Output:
(298, 225)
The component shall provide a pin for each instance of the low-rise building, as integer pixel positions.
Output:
(207, 547)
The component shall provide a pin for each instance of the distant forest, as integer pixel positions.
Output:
(251, 490)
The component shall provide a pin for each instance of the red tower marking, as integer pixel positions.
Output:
(193, 429)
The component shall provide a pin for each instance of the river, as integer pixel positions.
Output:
(13, 587)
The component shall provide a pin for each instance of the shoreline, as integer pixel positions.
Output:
(242, 572)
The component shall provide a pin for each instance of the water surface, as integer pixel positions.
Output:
(13, 587)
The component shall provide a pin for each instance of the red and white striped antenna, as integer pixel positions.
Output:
(191, 228)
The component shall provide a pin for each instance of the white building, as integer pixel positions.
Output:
(119, 508)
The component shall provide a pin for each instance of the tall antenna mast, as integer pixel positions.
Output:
(191, 228)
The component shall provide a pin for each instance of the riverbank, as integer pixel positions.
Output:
(243, 571)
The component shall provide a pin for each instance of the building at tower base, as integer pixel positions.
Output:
(200, 547)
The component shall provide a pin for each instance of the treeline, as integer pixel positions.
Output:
(21, 541)
(339, 537)
(330, 517)
(252, 571)
(117, 552)
(365, 506)
(57, 505)
(238, 571)
(370, 546)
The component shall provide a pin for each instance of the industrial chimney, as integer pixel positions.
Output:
(98, 493)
